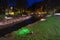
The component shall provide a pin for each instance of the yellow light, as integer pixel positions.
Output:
(39, 12)
(12, 13)
(43, 12)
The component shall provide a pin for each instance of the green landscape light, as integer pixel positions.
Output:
(23, 31)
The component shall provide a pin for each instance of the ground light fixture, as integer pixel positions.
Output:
(23, 31)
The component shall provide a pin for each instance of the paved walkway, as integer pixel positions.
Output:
(6, 23)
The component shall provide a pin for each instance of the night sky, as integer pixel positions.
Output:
(30, 2)
(13, 2)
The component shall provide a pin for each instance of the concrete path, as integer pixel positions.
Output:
(5, 23)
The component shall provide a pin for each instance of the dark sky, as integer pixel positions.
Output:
(30, 2)
(13, 2)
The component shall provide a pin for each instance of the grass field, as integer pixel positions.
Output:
(47, 30)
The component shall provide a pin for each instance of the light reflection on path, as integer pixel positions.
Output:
(13, 21)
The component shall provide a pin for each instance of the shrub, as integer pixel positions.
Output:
(1, 17)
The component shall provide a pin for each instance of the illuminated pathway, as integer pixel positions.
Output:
(47, 30)
(6, 23)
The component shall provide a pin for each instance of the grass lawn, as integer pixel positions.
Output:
(47, 30)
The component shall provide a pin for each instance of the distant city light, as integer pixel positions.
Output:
(11, 7)
(11, 13)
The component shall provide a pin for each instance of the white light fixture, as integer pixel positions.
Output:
(11, 7)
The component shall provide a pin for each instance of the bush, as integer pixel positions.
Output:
(17, 14)
(1, 17)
